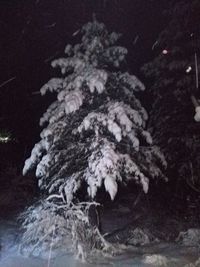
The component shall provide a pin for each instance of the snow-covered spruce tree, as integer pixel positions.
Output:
(95, 132)
(172, 72)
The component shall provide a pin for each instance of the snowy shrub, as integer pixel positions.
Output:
(139, 238)
(191, 237)
(55, 225)
(195, 264)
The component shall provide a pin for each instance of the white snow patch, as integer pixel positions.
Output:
(156, 260)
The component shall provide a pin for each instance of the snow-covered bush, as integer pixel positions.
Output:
(54, 225)
(94, 133)
(191, 237)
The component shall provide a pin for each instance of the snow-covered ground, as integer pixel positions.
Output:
(161, 254)
(167, 255)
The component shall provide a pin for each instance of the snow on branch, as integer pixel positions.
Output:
(96, 80)
(125, 115)
(115, 55)
(55, 84)
(132, 81)
(35, 157)
(120, 120)
(71, 185)
(96, 121)
(106, 165)
(54, 113)
(68, 64)
(73, 101)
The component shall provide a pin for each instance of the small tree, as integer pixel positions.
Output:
(95, 131)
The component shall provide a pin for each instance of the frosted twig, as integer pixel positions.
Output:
(42, 239)
(7, 81)
(51, 25)
(36, 93)
(89, 203)
(59, 206)
(51, 245)
(196, 71)
(54, 196)
(135, 40)
(155, 44)
(51, 57)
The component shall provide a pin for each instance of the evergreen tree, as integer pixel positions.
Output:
(174, 92)
(95, 133)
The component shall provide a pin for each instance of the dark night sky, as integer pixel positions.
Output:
(35, 31)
